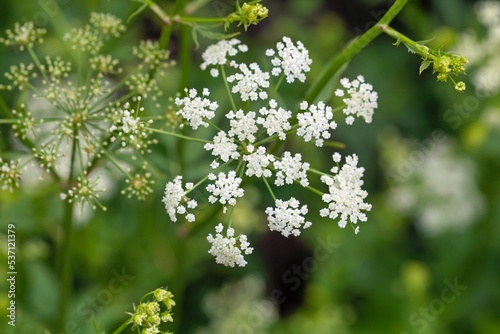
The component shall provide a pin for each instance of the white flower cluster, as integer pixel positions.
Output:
(249, 82)
(196, 109)
(257, 163)
(345, 198)
(288, 217)
(217, 54)
(316, 122)
(484, 52)
(249, 144)
(226, 188)
(242, 125)
(223, 147)
(293, 61)
(176, 200)
(362, 100)
(290, 169)
(225, 248)
(441, 193)
(276, 121)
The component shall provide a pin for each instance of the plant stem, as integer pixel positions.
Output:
(399, 37)
(122, 327)
(159, 11)
(178, 135)
(182, 19)
(351, 50)
(65, 251)
(223, 72)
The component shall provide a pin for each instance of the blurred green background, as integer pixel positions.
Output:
(427, 260)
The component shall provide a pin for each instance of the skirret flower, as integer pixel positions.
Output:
(195, 109)
(86, 191)
(223, 147)
(176, 200)
(243, 125)
(290, 169)
(257, 163)
(218, 53)
(345, 198)
(275, 121)
(130, 129)
(24, 36)
(250, 82)
(228, 249)
(293, 61)
(225, 189)
(10, 175)
(288, 217)
(362, 100)
(315, 122)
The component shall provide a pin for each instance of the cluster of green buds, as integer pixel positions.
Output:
(249, 13)
(149, 315)
(445, 64)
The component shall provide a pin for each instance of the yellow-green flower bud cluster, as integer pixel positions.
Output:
(149, 315)
(447, 65)
(249, 13)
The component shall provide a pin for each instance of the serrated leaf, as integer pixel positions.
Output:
(425, 64)
(424, 42)
(410, 48)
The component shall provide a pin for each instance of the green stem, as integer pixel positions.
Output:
(314, 190)
(178, 135)
(223, 71)
(166, 32)
(351, 50)
(122, 327)
(182, 19)
(185, 54)
(65, 248)
(8, 121)
(159, 11)
(37, 63)
(269, 188)
(399, 37)
(275, 90)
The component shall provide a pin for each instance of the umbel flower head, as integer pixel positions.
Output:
(23, 36)
(248, 145)
(88, 123)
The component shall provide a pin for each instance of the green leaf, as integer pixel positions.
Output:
(138, 11)
(425, 64)
(411, 48)
(206, 32)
